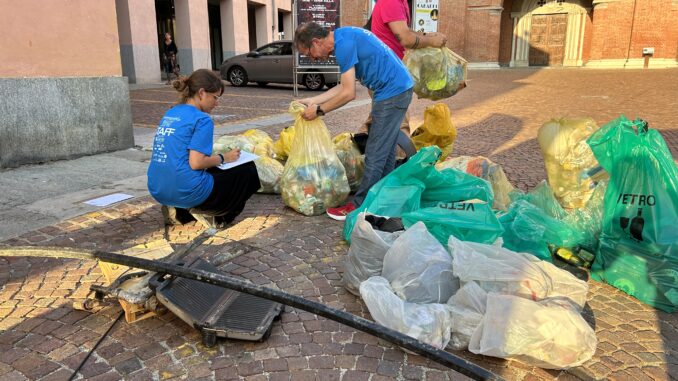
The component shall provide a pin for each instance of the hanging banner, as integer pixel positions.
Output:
(425, 16)
(323, 12)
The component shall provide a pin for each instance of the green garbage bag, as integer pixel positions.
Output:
(585, 220)
(468, 221)
(450, 185)
(529, 229)
(399, 192)
(418, 183)
(638, 251)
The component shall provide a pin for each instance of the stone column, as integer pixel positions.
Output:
(138, 34)
(521, 40)
(234, 32)
(192, 35)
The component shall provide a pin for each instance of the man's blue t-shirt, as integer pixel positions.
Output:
(376, 66)
(171, 181)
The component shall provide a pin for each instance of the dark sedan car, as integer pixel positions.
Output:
(273, 63)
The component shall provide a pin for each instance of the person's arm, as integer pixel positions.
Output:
(345, 92)
(198, 160)
(412, 40)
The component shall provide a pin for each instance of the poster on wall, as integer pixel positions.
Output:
(324, 12)
(425, 16)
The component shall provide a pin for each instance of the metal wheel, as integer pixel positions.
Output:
(237, 76)
(314, 81)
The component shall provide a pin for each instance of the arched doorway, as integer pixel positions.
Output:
(549, 32)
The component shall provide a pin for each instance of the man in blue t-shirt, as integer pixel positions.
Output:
(364, 57)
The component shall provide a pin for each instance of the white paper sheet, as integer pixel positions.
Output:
(108, 199)
(245, 157)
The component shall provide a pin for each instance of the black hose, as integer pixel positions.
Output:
(428, 351)
(77, 369)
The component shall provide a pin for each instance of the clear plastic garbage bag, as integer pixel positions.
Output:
(437, 130)
(313, 179)
(429, 323)
(568, 158)
(545, 334)
(503, 271)
(419, 268)
(638, 250)
(351, 158)
(227, 143)
(365, 256)
(467, 308)
(487, 170)
(437, 72)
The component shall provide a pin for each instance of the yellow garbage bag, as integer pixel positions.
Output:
(437, 130)
(437, 73)
(226, 143)
(257, 136)
(313, 178)
(269, 169)
(283, 145)
(351, 158)
(568, 158)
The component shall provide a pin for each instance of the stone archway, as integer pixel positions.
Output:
(548, 32)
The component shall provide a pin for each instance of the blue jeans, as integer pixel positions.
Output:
(380, 150)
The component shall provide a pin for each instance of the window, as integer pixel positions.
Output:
(271, 50)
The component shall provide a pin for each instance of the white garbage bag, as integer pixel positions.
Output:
(500, 270)
(467, 308)
(429, 323)
(545, 334)
(365, 256)
(419, 268)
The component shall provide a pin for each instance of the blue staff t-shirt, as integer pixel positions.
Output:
(171, 181)
(376, 66)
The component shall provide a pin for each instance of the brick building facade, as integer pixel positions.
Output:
(590, 33)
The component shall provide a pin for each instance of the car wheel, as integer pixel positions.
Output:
(330, 85)
(237, 76)
(314, 81)
(262, 84)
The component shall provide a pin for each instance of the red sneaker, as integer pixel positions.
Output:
(341, 212)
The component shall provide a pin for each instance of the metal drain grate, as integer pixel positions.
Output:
(216, 311)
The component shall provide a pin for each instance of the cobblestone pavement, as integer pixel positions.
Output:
(43, 337)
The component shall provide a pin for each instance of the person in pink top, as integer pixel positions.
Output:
(390, 22)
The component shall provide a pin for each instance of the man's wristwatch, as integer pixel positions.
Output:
(221, 157)
(319, 111)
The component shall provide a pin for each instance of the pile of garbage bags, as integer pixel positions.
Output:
(471, 266)
(438, 73)
(468, 295)
(310, 171)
